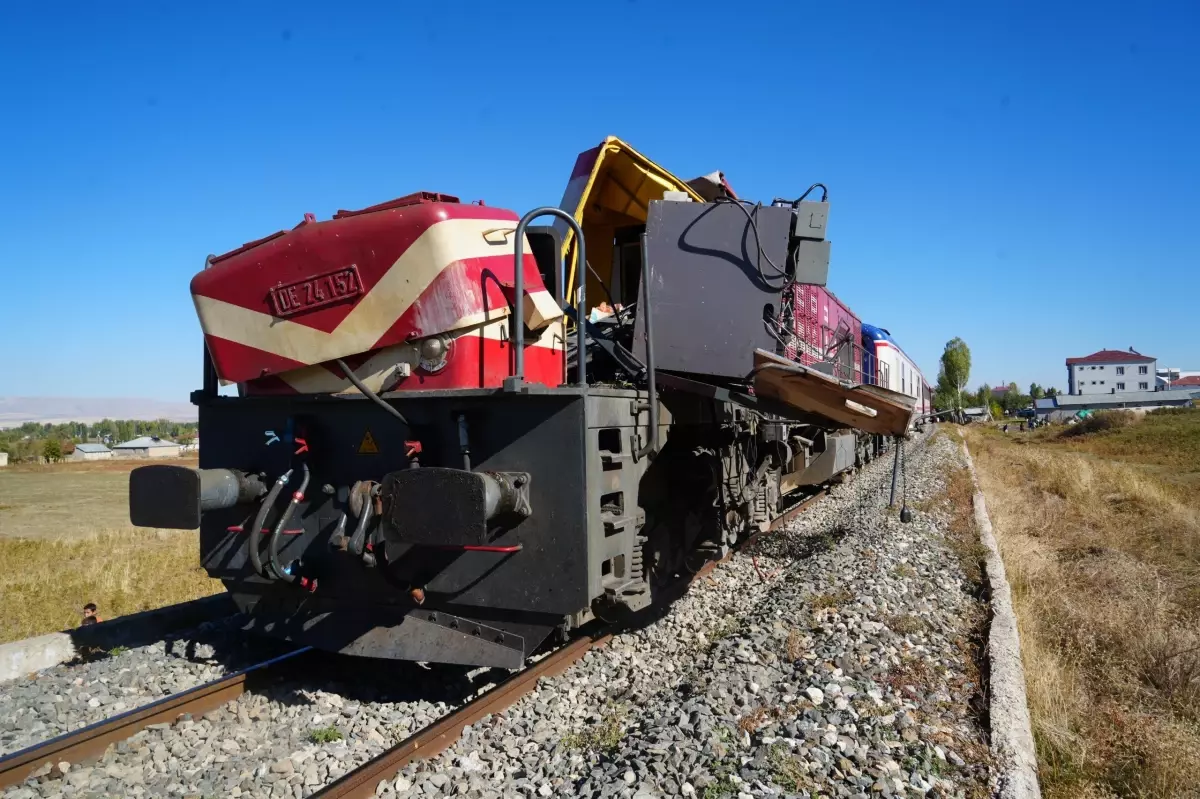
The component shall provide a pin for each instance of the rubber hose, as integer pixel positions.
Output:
(357, 543)
(273, 544)
(252, 537)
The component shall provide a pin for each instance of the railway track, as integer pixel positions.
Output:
(90, 742)
(361, 783)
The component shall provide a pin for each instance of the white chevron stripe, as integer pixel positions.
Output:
(439, 246)
(379, 368)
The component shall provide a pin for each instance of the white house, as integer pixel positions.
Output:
(91, 452)
(147, 447)
(1111, 371)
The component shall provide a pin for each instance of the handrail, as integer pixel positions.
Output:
(518, 376)
(652, 446)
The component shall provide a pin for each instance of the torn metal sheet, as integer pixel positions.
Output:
(855, 405)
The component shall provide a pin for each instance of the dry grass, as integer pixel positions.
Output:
(831, 600)
(65, 540)
(45, 584)
(754, 719)
(1104, 561)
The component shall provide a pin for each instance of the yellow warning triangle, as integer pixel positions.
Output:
(367, 447)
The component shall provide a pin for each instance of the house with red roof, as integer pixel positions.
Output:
(1109, 371)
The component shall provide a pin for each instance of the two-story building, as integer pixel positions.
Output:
(1109, 371)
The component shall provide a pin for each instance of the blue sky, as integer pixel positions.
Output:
(1021, 176)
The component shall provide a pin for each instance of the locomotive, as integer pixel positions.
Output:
(439, 451)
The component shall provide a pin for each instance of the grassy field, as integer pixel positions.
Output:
(65, 540)
(1101, 539)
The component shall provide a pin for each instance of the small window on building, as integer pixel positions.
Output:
(1101, 382)
(1120, 370)
(1142, 386)
(1120, 386)
(1141, 370)
(1093, 382)
(1102, 368)
(1093, 367)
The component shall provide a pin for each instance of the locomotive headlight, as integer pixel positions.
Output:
(434, 352)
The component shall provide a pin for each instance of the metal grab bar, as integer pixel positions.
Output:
(518, 336)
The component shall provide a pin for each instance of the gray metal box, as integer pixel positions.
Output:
(708, 290)
(811, 261)
(811, 219)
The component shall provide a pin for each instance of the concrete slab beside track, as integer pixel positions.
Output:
(1011, 730)
(18, 658)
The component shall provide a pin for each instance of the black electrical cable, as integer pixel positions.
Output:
(757, 240)
(252, 535)
(800, 199)
(273, 544)
(368, 392)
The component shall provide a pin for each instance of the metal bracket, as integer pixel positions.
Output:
(470, 627)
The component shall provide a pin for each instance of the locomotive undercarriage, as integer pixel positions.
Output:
(605, 526)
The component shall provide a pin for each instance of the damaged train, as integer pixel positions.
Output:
(457, 433)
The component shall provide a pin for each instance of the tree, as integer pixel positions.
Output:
(983, 396)
(1052, 392)
(956, 363)
(52, 450)
(997, 411)
(1013, 399)
(1035, 391)
(945, 394)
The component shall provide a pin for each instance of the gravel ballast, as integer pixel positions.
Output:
(840, 663)
(47, 703)
(834, 657)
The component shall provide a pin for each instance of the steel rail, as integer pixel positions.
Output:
(435, 738)
(90, 742)
(361, 783)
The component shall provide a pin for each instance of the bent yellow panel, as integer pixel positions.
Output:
(615, 192)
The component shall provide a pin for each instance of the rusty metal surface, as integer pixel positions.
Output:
(89, 743)
(435, 738)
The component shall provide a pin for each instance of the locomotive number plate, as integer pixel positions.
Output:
(317, 291)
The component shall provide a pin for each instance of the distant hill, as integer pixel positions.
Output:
(16, 411)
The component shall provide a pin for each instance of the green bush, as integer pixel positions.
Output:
(1098, 423)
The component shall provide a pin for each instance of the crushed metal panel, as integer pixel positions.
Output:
(611, 186)
(862, 407)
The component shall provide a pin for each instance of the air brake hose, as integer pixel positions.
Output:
(252, 537)
(273, 544)
(358, 542)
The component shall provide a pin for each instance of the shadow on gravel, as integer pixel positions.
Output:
(358, 680)
(98, 641)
